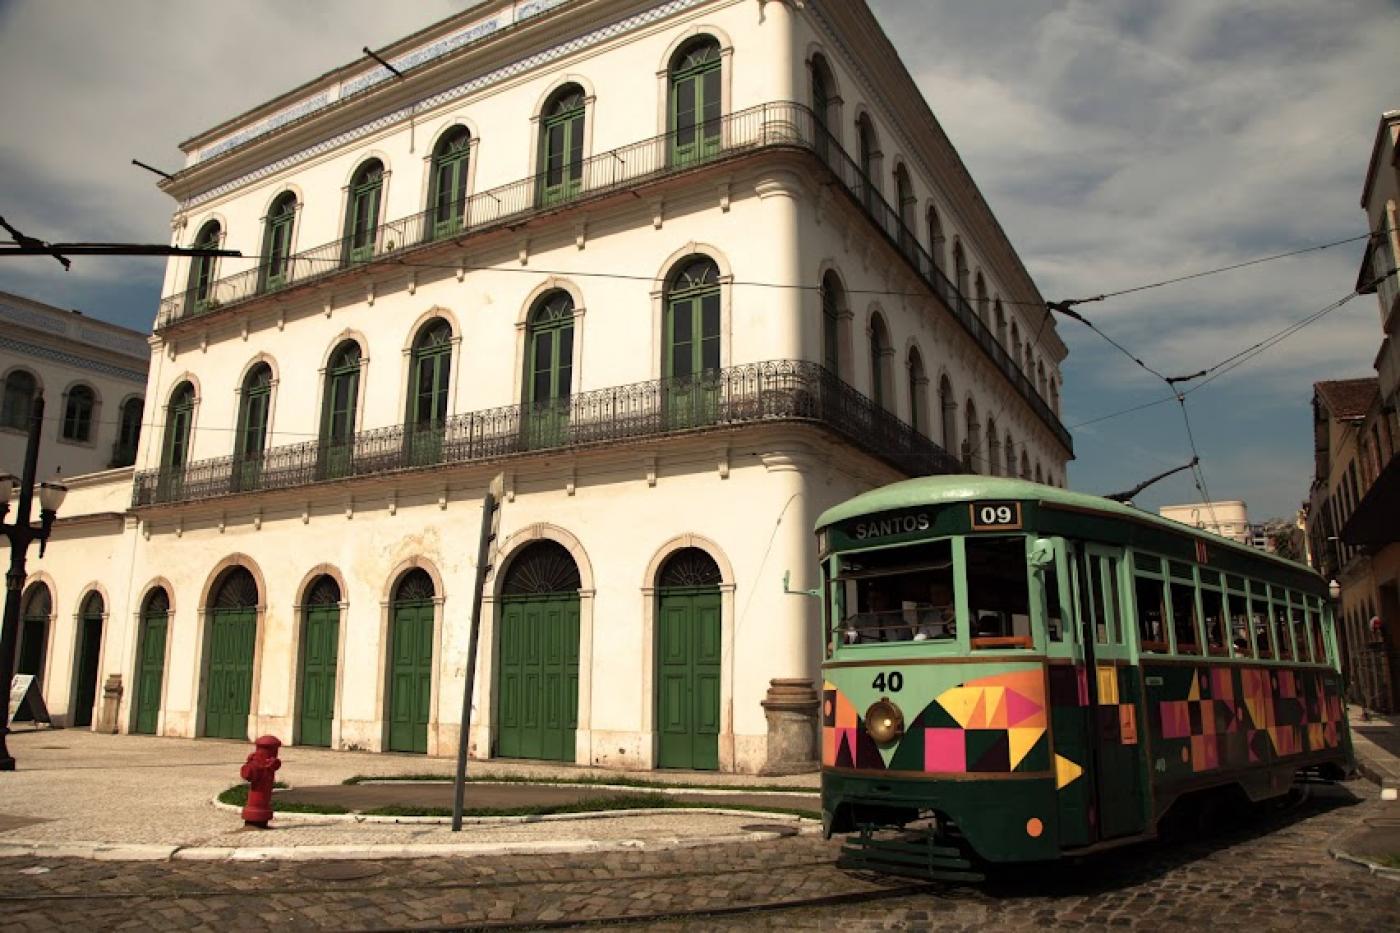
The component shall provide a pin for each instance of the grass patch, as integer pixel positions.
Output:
(1390, 861)
(586, 805)
(237, 796)
(619, 781)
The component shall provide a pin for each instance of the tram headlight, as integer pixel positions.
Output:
(884, 721)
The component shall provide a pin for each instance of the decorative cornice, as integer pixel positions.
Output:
(71, 359)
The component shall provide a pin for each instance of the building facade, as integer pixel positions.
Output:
(1227, 518)
(682, 273)
(93, 378)
(1371, 532)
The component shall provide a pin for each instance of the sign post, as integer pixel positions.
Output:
(490, 524)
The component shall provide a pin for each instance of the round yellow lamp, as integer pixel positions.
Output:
(884, 721)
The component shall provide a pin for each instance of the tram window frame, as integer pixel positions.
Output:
(1239, 629)
(1208, 588)
(900, 617)
(1260, 620)
(1187, 596)
(1142, 577)
(1049, 580)
(1315, 629)
(1278, 620)
(1298, 624)
(1001, 641)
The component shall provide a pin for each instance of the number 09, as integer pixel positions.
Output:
(995, 515)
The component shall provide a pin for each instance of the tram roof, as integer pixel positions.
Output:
(947, 489)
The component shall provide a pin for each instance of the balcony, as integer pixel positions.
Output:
(757, 393)
(781, 125)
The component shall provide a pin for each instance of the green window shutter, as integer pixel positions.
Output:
(362, 214)
(177, 428)
(253, 413)
(831, 318)
(77, 414)
(449, 182)
(431, 370)
(695, 103)
(561, 146)
(277, 242)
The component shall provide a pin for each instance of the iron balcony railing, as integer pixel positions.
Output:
(772, 125)
(774, 391)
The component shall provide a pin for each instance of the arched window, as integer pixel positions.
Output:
(20, 388)
(1055, 396)
(178, 416)
(201, 282)
(1010, 456)
(983, 309)
(906, 205)
(277, 241)
(1040, 378)
(692, 343)
(549, 369)
(362, 213)
(254, 405)
(128, 433)
(960, 271)
(338, 409)
(1013, 347)
(865, 135)
(1039, 476)
(447, 193)
(949, 411)
(696, 102)
(918, 389)
(972, 443)
(880, 353)
(1030, 362)
(432, 367)
(993, 448)
(561, 145)
(1025, 466)
(77, 414)
(35, 616)
(822, 106)
(935, 239)
(688, 568)
(999, 313)
(832, 303)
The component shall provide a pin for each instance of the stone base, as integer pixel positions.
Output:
(791, 707)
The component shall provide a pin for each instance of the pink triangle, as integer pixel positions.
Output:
(1019, 709)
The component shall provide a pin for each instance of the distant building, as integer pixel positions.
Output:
(1368, 545)
(1229, 519)
(93, 376)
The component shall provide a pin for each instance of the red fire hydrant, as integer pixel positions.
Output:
(260, 771)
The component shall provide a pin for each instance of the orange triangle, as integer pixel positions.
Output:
(978, 719)
(996, 702)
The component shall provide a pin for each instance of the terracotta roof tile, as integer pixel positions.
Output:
(1348, 398)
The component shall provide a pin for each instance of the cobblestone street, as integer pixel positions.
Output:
(1275, 873)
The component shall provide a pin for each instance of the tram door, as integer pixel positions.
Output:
(1114, 693)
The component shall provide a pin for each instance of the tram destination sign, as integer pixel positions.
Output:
(995, 516)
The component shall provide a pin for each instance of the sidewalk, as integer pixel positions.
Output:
(80, 793)
(1376, 846)
(1377, 747)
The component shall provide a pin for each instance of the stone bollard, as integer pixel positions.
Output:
(111, 704)
(791, 707)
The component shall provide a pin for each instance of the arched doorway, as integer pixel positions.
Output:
(688, 644)
(320, 646)
(411, 662)
(538, 656)
(89, 651)
(150, 660)
(34, 632)
(232, 632)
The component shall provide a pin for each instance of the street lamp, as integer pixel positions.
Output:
(21, 533)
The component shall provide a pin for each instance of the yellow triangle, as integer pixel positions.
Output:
(1195, 693)
(1066, 772)
(996, 710)
(1022, 740)
(960, 703)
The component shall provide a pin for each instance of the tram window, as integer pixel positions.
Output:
(897, 595)
(1213, 615)
(1301, 644)
(1318, 639)
(1259, 614)
(1237, 612)
(1184, 619)
(1054, 615)
(998, 595)
(1280, 615)
(1151, 614)
(1149, 562)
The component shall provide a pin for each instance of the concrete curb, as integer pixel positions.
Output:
(1374, 763)
(673, 789)
(1392, 873)
(102, 851)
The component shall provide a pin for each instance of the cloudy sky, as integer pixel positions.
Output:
(1120, 142)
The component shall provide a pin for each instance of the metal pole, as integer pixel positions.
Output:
(483, 556)
(20, 534)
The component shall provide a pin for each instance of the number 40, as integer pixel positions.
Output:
(893, 681)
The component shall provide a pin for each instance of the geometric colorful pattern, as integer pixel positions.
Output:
(991, 724)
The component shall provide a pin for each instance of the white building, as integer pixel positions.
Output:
(686, 272)
(1227, 518)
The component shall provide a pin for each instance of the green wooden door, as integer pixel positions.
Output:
(538, 677)
(362, 213)
(696, 105)
(427, 393)
(229, 687)
(277, 243)
(561, 148)
(251, 439)
(336, 455)
(688, 679)
(150, 672)
(449, 195)
(549, 373)
(411, 677)
(320, 645)
(89, 651)
(692, 346)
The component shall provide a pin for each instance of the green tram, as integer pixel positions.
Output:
(1017, 673)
